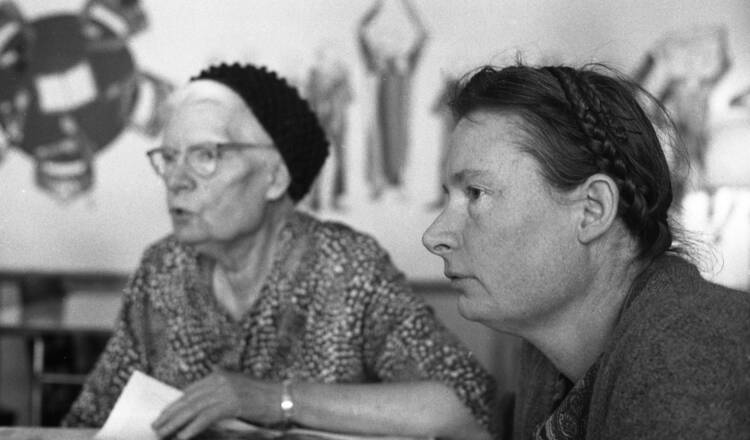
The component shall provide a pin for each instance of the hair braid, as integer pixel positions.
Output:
(605, 140)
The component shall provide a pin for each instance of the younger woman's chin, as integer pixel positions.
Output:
(472, 310)
(465, 308)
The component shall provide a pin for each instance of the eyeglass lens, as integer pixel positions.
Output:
(200, 158)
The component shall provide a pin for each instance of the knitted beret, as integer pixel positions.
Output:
(286, 117)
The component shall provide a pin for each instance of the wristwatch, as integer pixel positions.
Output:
(287, 404)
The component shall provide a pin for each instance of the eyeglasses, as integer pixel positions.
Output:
(203, 158)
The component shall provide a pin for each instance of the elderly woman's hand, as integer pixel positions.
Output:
(221, 395)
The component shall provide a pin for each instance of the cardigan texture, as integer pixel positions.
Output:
(677, 365)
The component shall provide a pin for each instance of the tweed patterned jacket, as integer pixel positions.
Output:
(333, 309)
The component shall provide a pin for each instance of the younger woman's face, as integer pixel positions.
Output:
(508, 240)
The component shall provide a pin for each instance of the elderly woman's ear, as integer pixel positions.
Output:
(599, 200)
(279, 178)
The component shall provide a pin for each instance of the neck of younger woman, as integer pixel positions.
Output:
(575, 337)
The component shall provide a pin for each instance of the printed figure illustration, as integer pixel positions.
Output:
(393, 67)
(329, 93)
(69, 87)
(741, 100)
(682, 71)
(15, 36)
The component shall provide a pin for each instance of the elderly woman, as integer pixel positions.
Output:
(556, 230)
(260, 312)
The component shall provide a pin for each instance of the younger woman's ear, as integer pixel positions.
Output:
(601, 198)
(280, 179)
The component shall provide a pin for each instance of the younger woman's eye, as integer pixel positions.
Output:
(473, 193)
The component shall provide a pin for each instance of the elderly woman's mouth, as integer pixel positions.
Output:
(180, 214)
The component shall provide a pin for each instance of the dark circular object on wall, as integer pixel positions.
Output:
(82, 84)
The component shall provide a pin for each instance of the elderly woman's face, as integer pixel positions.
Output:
(231, 202)
(507, 239)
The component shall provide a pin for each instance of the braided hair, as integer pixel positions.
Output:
(584, 122)
(288, 119)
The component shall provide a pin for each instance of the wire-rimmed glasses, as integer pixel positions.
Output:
(202, 159)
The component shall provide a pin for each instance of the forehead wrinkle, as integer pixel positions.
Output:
(490, 130)
(467, 174)
(197, 121)
(235, 119)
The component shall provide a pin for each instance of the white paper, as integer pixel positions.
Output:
(143, 398)
(139, 404)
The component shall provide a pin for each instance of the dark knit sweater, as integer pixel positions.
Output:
(676, 366)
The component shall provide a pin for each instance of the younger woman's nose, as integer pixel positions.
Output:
(439, 237)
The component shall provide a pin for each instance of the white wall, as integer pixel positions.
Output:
(109, 228)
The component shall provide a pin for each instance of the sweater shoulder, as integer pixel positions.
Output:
(678, 360)
(339, 243)
(678, 300)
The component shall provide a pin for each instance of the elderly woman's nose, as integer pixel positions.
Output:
(440, 237)
(178, 178)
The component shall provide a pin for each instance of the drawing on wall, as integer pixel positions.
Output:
(329, 92)
(741, 99)
(392, 63)
(448, 123)
(69, 86)
(682, 71)
(727, 160)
